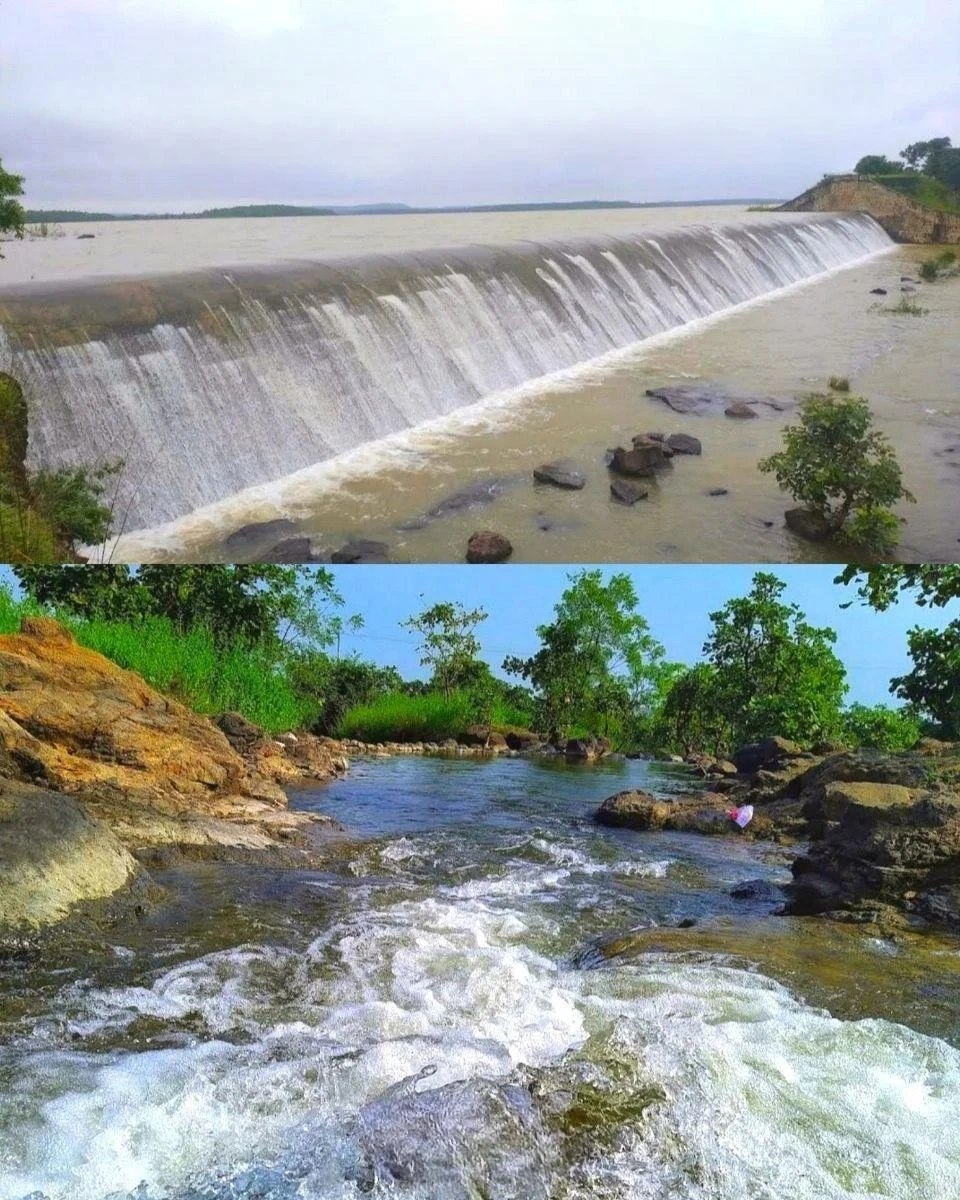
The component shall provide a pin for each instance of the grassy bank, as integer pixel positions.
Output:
(397, 717)
(189, 666)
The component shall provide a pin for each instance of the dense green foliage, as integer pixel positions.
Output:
(12, 216)
(933, 686)
(598, 667)
(929, 172)
(433, 717)
(43, 513)
(836, 465)
(448, 643)
(877, 164)
(256, 640)
(932, 269)
(879, 727)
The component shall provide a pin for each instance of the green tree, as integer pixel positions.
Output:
(934, 683)
(773, 672)
(692, 720)
(598, 667)
(337, 684)
(449, 646)
(918, 154)
(12, 216)
(877, 164)
(933, 686)
(879, 727)
(259, 604)
(840, 468)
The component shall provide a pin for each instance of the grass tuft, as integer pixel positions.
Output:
(838, 383)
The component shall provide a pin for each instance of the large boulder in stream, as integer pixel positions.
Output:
(706, 812)
(487, 546)
(53, 856)
(560, 475)
(643, 458)
(154, 772)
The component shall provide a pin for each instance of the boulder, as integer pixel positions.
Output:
(642, 459)
(885, 849)
(772, 752)
(54, 856)
(488, 547)
(807, 524)
(249, 539)
(524, 741)
(740, 410)
(559, 476)
(697, 814)
(625, 492)
(878, 291)
(718, 491)
(684, 443)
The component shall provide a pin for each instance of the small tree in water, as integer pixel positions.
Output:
(842, 470)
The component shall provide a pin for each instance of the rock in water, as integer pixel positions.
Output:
(362, 550)
(683, 443)
(290, 550)
(807, 524)
(560, 476)
(642, 459)
(487, 546)
(626, 492)
(54, 856)
(249, 539)
(740, 410)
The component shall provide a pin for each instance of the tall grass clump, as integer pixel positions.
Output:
(838, 383)
(397, 717)
(206, 677)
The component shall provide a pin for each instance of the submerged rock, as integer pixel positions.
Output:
(290, 550)
(249, 539)
(700, 397)
(488, 547)
(474, 496)
(625, 492)
(560, 476)
(740, 410)
(362, 550)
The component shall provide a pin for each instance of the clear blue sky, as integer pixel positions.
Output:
(676, 600)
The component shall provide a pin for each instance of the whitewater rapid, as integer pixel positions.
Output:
(432, 1033)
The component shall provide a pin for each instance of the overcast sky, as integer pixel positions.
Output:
(173, 104)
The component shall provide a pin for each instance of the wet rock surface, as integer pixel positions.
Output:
(807, 524)
(488, 546)
(560, 475)
(625, 492)
(474, 496)
(362, 550)
(704, 397)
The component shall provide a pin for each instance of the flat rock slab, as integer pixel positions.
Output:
(705, 397)
(560, 476)
(625, 492)
(706, 813)
(487, 546)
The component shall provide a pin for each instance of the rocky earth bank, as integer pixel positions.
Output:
(882, 830)
(101, 774)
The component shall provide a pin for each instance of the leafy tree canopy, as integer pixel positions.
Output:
(11, 210)
(261, 604)
(449, 646)
(598, 667)
(877, 164)
(773, 672)
(835, 464)
(879, 727)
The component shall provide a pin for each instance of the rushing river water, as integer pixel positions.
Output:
(435, 1017)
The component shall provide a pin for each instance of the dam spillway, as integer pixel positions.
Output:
(210, 382)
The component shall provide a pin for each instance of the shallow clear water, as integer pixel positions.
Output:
(436, 1015)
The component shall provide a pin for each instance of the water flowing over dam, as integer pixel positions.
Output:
(211, 382)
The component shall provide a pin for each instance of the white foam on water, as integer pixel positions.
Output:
(299, 412)
(765, 1097)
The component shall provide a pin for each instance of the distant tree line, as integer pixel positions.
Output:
(598, 670)
(937, 158)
